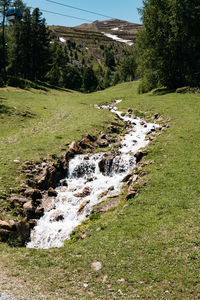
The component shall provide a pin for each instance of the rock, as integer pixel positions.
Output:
(86, 191)
(29, 206)
(139, 155)
(121, 281)
(127, 177)
(106, 163)
(103, 194)
(113, 129)
(85, 145)
(156, 116)
(52, 192)
(34, 194)
(69, 154)
(74, 146)
(130, 110)
(49, 177)
(91, 138)
(23, 230)
(39, 212)
(130, 194)
(96, 265)
(56, 217)
(102, 143)
(83, 205)
(5, 225)
(48, 204)
(15, 201)
(63, 182)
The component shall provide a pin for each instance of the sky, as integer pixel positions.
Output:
(116, 9)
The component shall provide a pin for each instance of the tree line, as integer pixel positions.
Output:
(168, 46)
(30, 51)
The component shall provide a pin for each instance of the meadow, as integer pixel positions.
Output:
(148, 246)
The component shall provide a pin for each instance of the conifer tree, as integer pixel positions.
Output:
(4, 4)
(168, 44)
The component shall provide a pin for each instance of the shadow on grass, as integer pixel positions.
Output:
(163, 91)
(4, 109)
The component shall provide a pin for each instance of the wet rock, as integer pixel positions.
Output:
(56, 217)
(103, 194)
(50, 176)
(63, 182)
(106, 163)
(48, 204)
(52, 192)
(83, 205)
(86, 191)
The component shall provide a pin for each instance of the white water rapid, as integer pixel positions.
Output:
(88, 183)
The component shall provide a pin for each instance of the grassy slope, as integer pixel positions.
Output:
(152, 242)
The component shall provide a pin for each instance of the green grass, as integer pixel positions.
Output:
(152, 242)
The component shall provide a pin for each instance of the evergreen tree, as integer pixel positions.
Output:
(71, 77)
(89, 80)
(58, 65)
(4, 4)
(40, 46)
(128, 68)
(168, 45)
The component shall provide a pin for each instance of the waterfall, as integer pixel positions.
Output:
(90, 179)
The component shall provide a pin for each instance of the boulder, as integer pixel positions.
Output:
(130, 194)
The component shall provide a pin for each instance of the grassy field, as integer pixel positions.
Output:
(149, 247)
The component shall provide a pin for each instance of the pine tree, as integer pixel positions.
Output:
(4, 4)
(168, 45)
(89, 80)
(40, 46)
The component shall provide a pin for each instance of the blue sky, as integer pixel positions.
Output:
(124, 10)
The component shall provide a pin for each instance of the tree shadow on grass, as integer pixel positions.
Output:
(162, 91)
(4, 109)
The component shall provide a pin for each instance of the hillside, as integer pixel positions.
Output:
(146, 247)
(91, 33)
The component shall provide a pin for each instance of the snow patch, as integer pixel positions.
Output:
(61, 39)
(118, 39)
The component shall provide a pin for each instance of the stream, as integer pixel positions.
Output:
(90, 179)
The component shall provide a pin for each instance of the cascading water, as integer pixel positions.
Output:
(90, 178)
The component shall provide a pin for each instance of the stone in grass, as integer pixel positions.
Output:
(96, 265)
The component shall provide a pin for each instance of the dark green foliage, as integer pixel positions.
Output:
(128, 68)
(109, 59)
(71, 77)
(29, 47)
(89, 80)
(168, 45)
